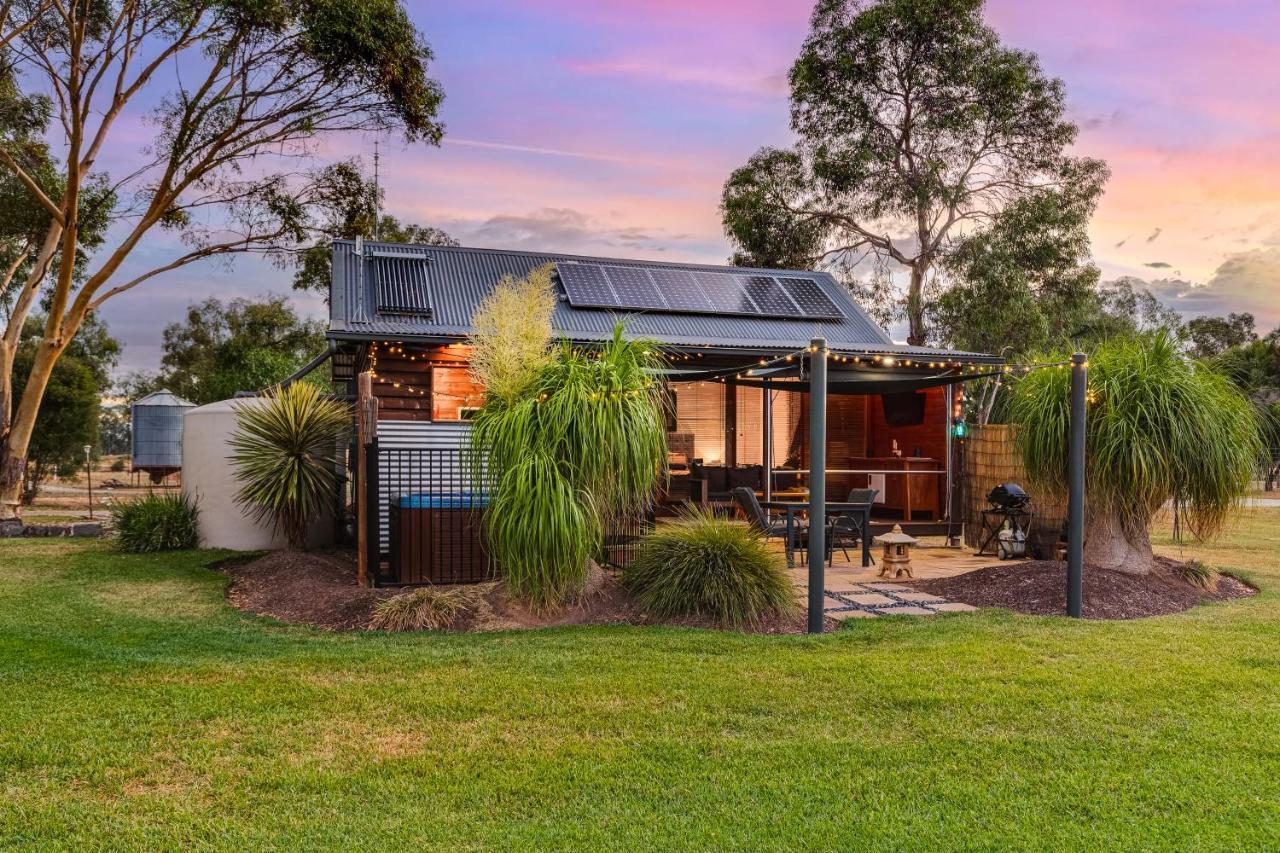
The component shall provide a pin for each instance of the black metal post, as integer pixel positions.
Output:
(817, 482)
(766, 449)
(1075, 476)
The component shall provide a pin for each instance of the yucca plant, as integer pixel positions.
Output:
(578, 445)
(284, 454)
(157, 522)
(704, 565)
(1161, 428)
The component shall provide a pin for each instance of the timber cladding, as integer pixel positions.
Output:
(990, 458)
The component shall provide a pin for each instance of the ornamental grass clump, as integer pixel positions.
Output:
(565, 452)
(157, 522)
(285, 455)
(426, 609)
(704, 565)
(1161, 428)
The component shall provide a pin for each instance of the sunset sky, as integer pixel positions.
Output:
(608, 127)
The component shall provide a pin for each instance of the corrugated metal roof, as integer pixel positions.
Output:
(460, 277)
(162, 398)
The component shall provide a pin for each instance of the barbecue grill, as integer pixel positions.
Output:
(1008, 496)
(1011, 509)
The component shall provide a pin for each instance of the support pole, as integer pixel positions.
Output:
(948, 504)
(366, 475)
(817, 482)
(1075, 477)
(766, 452)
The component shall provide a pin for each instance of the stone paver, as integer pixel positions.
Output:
(904, 610)
(921, 597)
(849, 600)
(872, 599)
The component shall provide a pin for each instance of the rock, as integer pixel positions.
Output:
(75, 528)
(10, 527)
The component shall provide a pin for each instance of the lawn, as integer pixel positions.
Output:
(139, 710)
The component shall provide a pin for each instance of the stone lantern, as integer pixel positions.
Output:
(896, 559)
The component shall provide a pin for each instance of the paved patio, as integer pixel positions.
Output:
(853, 591)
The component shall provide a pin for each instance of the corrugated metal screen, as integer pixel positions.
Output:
(395, 479)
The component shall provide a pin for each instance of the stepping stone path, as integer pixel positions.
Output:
(863, 600)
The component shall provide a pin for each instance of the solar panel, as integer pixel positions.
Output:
(589, 285)
(726, 293)
(809, 298)
(586, 286)
(769, 296)
(681, 291)
(401, 283)
(635, 288)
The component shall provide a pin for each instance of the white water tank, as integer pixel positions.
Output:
(208, 478)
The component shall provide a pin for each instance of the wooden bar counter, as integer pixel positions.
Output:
(909, 494)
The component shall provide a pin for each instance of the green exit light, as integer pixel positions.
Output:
(960, 429)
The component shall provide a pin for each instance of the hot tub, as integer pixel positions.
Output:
(435, 538)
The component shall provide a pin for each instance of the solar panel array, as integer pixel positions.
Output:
(695, 291)
(401, 284)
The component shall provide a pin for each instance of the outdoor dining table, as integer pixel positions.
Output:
(793, 509)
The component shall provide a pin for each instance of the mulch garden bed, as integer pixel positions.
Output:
(309, 588)
(1038, 587)
(319, 589)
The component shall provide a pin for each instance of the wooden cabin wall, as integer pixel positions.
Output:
(403, 382)
(930, 437)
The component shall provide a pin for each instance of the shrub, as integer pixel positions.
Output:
(118, 464)
(284, 451)
(158, 522)
(426, 609)
(512, 338)
(578, 445)
(1160, 428)
(702, 565)
(1195, 572)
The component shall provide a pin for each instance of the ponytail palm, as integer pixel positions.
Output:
(580, 446)
(284, 452)
(1161, 428)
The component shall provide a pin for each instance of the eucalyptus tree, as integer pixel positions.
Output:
(1026, 280)
(914, 125)
(234, 96)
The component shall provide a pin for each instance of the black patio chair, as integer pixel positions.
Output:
(773, 528)
(846, 528)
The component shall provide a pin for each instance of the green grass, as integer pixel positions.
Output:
(139, 711)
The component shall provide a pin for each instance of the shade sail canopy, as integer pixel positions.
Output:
(789, 378)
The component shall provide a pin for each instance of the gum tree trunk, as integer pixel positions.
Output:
(16, 436)
(1109, 545)
(915, 304)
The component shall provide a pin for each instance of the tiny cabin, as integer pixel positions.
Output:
(402, 312)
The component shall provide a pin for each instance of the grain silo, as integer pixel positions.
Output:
(157, 434)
